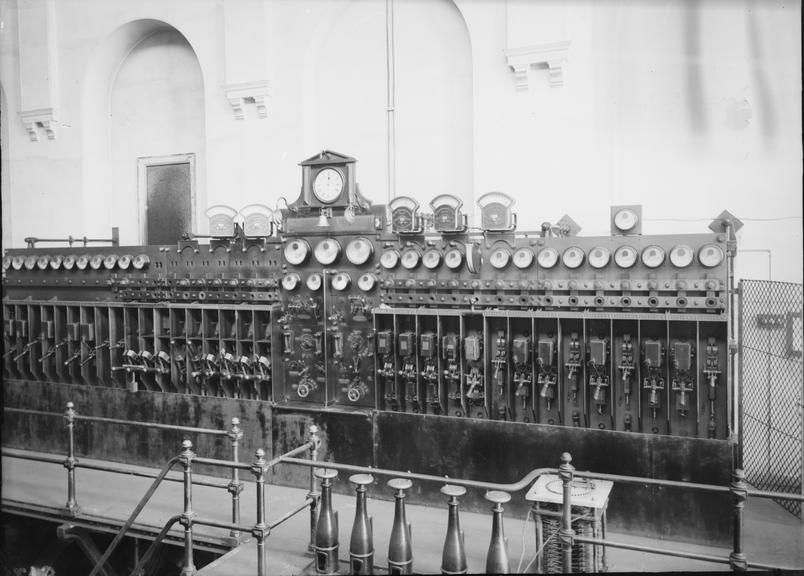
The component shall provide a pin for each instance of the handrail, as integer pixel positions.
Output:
(148, 553)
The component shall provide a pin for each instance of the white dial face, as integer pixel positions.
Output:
(96, 262)
(55, 262)
(296, 252)
(18, 262)
(69, 262)
(625, 256)
(523, 258)
(328, 185)
(314, 282)
(711, 255)
(291, 281)
(358, 251)
(42, 262)
(431, 259)
(411, 258)
(6, 262)
(599, 257)
(681, 256)
(30, 262)
(572, 257)
(653, 256)
(367, 282)
(453, 258)
(83, 261)
(547, 258)
(141, 261)
(110, 261)
(327, 251)
(125, 261)
(341, 281)
(499, 258)
(625, 219)
(389, 259)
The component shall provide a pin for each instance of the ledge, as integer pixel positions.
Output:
(552, 55)
(241, 93)
(45, 119)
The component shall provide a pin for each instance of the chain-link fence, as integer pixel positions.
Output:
(770, 324)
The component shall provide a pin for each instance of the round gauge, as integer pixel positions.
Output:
(290, 281)
(297, 251)
(96, 262)
(367, 282)
(328, 185)
(453, 258)
(625, 219)
(500, 257)
(359, 250)
(431, 259)
(681, 256)
(327, 251)
(341, 281)
(599, 257)
(55, 262)
(444, 218)
(523, 258)
(140, 261)
(411, 258)
(42, 262)
(572, 257)
(653, 256)
(402, 220)
(711, 255)
(110, 261)
(547, 258)
(82, 262)
(6, 263)
(18, 262)
(314, 282)
(69, 262)
(389, 259)
(625, 256)
(125, 261)
(30, 262)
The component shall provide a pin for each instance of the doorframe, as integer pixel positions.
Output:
(143, 163)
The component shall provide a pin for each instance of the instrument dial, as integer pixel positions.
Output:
(626, 219)
(359, 251)
(96, 262)
(125, 261)
(30, 262)
(402, 220)
(523, 258)
(389, 259)
(444, 218)
(572, 257)
(314, 282)
(140, 261)
(681, 256)
(18, 262)
(82, 262)
(6, 263)
(55, 262)
(500, 257)
(711, 255)
(297, 251)
(290, 281)
(341, 281)
(547, 257)
(653, 256)
(453, 258)
(327, 251)
(411, 258)
(69, 262)
(367, 282)
(625, 256)
(42, 262)
(599, 257)
(431, 259)
(328, 185)
(110, 261)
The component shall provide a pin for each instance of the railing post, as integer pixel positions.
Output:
(260, 530)
(326, 530)
(314, 494)
(71, 460)
(567, 534)
(361, 546)
(186, 459)
(400, 554)
(497, 557)
(235, 487)
(453, 558)
(739, 493)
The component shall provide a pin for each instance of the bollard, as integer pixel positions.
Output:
(71, 461)
(326, 530)
(235, 486)
(361, 548)
(453, 559)
(260, 530)
(186, 520)
(314, 493)
(497, 557)
(737, 559)
(566, 533)
(400, 554)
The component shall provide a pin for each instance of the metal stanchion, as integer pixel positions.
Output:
(453, 558)
(260, 530)
(186, 459)
(326, 530)
(361, 546)
(400, 554)
(497, 557)
(567, 534)
(235, 487)
(71, 460)
(737, 559)
(313, 494)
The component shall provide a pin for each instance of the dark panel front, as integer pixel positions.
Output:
(169, 209)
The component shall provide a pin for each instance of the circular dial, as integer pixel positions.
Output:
(18, 262)
(341, 281)
(402, 220)
(389, 259)
(297, 251)
(572, 257)
(411, 258)
(599, 257)
(69, 262)
(6, 263)
(444, 218)
(500, 257)
(327, 251)
(290, 281)
(314, 282)
(96, 262)
(30, 262)
(125, 261)
(328, 185)
(625, 219)
(711, 255)
(625, 256)
(523, 258)
(431, 259)
(42, 262)
(367, 282)
(495, 216)
(83, 261)
(55, 262)
(547, 258)
(453, 258)
(681, 256)
(359, 251)
(140, 261)
(653, 256)
(110, 261)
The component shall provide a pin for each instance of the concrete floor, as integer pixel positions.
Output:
(773, 535)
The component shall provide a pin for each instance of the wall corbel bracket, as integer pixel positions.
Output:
(41, 119)
(551, 55)
(242, 93)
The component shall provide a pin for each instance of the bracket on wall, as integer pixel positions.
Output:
(40, 119)
(242, 93)
(551, 55)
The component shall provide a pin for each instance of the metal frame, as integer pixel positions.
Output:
(143, 163)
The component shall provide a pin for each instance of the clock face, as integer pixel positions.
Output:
(328, 185)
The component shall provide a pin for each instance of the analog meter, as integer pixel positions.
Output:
(453, 258)
(523, 258)
(314, 282)
(431, 258)
(389, 259)
(359, 251)
(625, 256)
(681, 256)
(711, 255)
(653, 256)
(411, 258)
(500, 257)
(599, 257)
(547, 257)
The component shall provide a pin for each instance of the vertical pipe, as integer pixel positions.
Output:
(326, 530)
(390, 72)
(453, 558)
(260, 531)
(361, 546)
(737, 559)
(186, 459)
(70, 462)
(400, 554)
(314, 494)
(565, 472)
(235, 487)
(497, 557)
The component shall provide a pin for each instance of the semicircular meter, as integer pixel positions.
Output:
(404, 218)
(495, 212)
(447, 216)
(297, 251)
(327, 251)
